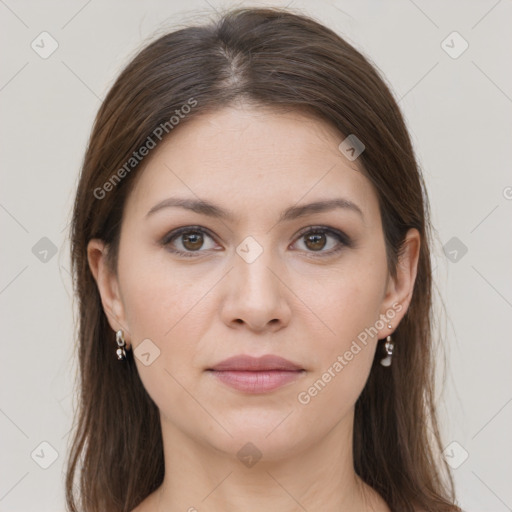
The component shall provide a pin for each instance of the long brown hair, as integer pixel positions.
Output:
(282, 59)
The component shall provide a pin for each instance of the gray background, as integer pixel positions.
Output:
(459, 114)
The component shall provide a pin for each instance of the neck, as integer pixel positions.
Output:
(319, 476)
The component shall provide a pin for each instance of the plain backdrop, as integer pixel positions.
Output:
(455, 90)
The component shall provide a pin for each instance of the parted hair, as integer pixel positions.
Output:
(278, 58)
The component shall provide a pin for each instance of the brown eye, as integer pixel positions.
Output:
(192, 241)
(189, 241)
(315, 241)
(322, 240)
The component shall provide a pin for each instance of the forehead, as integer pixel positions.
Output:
(243, 157)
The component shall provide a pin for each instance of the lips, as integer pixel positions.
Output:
(256, 375)
(244, 363)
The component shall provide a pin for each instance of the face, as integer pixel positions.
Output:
(269, 276)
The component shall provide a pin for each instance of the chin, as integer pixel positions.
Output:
(263, 442)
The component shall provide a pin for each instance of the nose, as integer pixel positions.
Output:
(256, 296)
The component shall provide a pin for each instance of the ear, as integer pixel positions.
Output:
(108, 286)
(400, 289)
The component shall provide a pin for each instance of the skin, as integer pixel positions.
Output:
(294, 300)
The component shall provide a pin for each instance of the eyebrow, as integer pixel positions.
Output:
(212, 210)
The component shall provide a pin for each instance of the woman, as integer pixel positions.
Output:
(250, 247)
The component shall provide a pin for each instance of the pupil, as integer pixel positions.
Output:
(316, 238)
(195, 241)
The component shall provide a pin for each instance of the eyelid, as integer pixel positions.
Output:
(185, 229)
(343, 239)
(176, 233)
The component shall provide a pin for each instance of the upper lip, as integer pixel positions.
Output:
(254, 364)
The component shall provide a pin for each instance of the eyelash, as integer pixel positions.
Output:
(343, 239)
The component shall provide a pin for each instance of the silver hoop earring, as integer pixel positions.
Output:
(121, 353)
(388, 346)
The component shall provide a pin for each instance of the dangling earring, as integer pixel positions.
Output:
(121, 353)
(389, 346)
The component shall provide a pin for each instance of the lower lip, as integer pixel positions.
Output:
(256, 382)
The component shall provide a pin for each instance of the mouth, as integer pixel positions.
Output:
(256, 375)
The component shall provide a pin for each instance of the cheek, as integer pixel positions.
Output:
(171, 305)
(159, 298)
(164, 306)
(348, 303)
(347, 300)
(346, 349)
